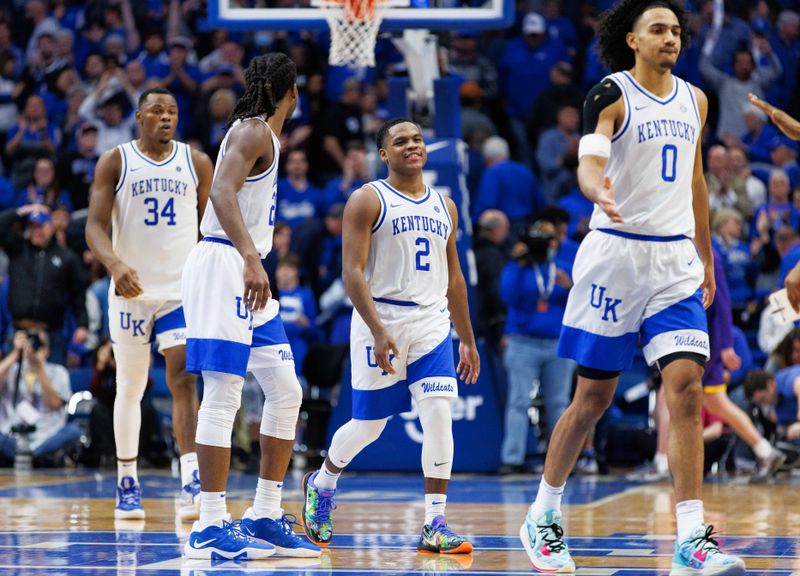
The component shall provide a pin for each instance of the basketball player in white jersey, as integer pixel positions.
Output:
(400, 269)
(152, 192)
(643, 274)
(234, 326)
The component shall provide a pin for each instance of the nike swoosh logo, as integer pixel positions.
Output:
(690, 262)
(344, 461)
(202, 544)
(137, 168)
(248, 531)
(436, 503)
(443, 309)
(395, 205)
(640, 107)
(440, 463)
(436, 146)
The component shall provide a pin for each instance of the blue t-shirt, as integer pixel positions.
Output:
(511, 188)
(786, 410)
(295, 304)
(295, 205)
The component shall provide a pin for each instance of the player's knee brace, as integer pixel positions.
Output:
(282, 398)
(437, 437)
(352, 438)
(222, 395)
(133, 363)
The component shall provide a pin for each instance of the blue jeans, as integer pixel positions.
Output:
(526, 360)
(69, 433)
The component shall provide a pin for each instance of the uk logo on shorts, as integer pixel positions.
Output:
(126, 322)
(372, 362)
(243, 312)
(600, 301)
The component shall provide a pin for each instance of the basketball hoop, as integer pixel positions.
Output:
(354, 26)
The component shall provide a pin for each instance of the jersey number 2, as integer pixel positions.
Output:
(153, 214)
(424, 251)
(669, 157)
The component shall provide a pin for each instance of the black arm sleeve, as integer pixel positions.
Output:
(600, 97)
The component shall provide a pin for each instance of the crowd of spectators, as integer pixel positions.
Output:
(71, 73)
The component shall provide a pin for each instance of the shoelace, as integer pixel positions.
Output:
(444, 530)
(324, 506)
(129, 496)
(287, 520)
(235, 529)
(705, 542)
(555, 542)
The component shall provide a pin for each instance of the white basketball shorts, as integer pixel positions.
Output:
(222, 335)
(633, 289)
(424, 368)
(136, 321)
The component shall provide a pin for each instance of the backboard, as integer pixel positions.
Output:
(439, 15)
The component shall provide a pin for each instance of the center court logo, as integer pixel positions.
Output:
(463, 408)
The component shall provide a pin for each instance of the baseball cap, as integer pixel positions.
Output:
(182, 41)
(39, 218)
(533, 23)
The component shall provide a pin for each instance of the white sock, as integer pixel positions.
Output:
(127, 469)
(547, 498)
(267, 503)
(762, 449)
(689, 514)
(661, 463)
(212, 508)
(434, 506)
(326, 479)
(188, 466)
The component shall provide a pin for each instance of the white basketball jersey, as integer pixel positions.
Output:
(652, 161)
(257, 200)
(154, 219)
(407, 259)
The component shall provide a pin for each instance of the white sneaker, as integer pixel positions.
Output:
(189, 507)
(543, 539)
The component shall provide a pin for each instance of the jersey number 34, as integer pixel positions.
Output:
(167, 212)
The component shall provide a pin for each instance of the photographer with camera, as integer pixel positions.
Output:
(534, 287)
(33, 394)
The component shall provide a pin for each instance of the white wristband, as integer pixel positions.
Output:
(594, 145)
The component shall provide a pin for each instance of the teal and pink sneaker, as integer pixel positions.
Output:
(699, 555)
(543, 539)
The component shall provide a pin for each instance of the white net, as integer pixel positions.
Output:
(354, 28)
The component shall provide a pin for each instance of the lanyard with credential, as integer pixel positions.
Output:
(544, 292)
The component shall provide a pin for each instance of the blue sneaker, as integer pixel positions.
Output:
(278, 533)
(543, 539)
(129, 500)
(699, 555)
(223, 540)
(190, 499)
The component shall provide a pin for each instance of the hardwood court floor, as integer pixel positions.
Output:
(63, 523)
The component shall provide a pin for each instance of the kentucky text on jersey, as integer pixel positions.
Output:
(666, 129)
(419, 223)
(167, 185)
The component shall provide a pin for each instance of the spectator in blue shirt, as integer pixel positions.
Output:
(298, 309)
(153, 57)
(32, 137)
(298, 199)
(741, 268)
(557, 153)
(534, 288)
(779, 392)
(355, 173)
(783, 153)
(182, 79)
(778, 211)
(508, 186)
(758, 138)
(785, 43)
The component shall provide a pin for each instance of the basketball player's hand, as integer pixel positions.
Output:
(469, 363)
(384, 344)
(606, 201)
(793, 431)
(256, 284)
(709, 286)
(782, 120)
(126, 281)
(730, 359)
(792, 284)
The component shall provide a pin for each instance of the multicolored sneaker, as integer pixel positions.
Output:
(223, 540)
(437, 538)
(699, 555)
(190, 499)
(129, 500)
(543, 539)
(317, 521)
(279, 534)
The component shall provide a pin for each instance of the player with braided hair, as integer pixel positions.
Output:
(644, 274)
(234, 326)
